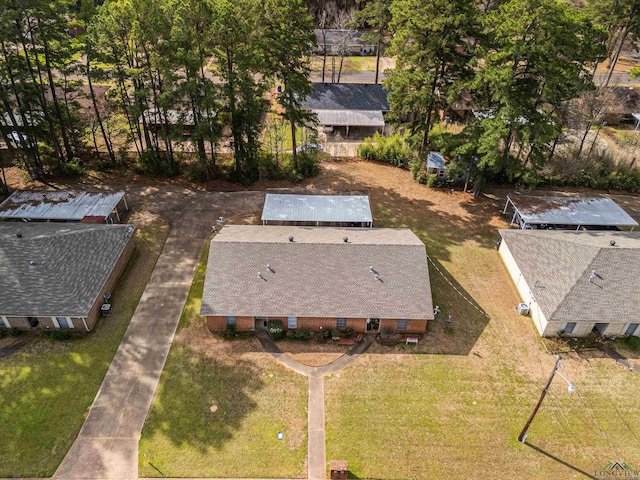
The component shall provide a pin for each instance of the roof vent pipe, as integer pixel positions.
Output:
(19, 235)
(291, 238)
(612, 243)
(345, 239)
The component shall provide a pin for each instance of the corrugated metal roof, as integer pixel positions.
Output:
(595, 211)
(318, 274)
(58, 205)
(316, 208)
(353, 118)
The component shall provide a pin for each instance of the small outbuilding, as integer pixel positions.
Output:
(349, 210)
(567, 213)
(367, 279)
(576, 283)
(55, 276)
(436, 164)
(64, 206)
(348, 105)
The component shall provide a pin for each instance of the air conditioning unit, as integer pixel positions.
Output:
(523, 309)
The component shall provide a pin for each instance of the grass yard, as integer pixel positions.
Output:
(47, 387)
(454, 408)
(363, 63)
(220, 405)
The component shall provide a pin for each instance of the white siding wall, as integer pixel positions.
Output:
(526, 295)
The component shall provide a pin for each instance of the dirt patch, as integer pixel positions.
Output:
(315, 359)
(197, 337)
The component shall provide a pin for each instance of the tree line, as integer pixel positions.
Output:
(520, 61)
(205, 65)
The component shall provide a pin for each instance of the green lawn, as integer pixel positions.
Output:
(455, 408)
(47, 388)
(255, 398)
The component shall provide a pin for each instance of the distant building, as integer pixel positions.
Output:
(436, 164)
(54, 276)
(347, 42)
(368, 279)
(347, 105)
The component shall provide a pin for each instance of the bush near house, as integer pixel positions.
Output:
(392, 149)
(275, 330)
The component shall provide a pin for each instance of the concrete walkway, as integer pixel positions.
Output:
(107, 445)
(316, 450)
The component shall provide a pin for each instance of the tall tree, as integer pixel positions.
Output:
(524, 79)
(289, 41)
(376, 16)
(433, 57)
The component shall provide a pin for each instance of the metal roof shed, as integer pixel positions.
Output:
(567, 212)
(335, 210)
(61, 206)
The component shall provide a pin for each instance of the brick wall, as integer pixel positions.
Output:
(219, 323)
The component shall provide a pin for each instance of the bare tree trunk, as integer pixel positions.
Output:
(107, 141)
(378, 57)
(616, 55)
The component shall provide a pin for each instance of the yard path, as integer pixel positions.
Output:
(316, 446)
(107, 445)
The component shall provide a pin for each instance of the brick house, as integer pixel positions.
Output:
(317, 278)
(54, 275)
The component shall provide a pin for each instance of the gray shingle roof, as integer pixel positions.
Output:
(316, 208)
(557, 267)
(347, 96)
(317, 274)
(71, 263)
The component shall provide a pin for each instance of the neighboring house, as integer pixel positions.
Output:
(576, 282)
(282, 208)
(181, 118)
(342, 41)
(567, 213)
(64, 206)
(436, 164)
(54, 275)
(612, 105)
(347, 105)
(369, 279)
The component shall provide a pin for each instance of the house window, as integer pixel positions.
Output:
(632, 329)
(569, 327)
(64, 322)
(402, 325)
(231, 321)
(4, 322)
(341, 323)
(292, 322)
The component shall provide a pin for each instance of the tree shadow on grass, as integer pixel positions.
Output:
(202, 401)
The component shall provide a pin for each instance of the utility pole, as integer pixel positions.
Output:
(522, 438)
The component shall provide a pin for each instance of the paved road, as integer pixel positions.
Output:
(107, 445)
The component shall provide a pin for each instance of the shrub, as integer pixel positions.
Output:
(61, 334)
(348, 332)
(73, 168)
(4, 333)
(633, 342)
(434, 180)
(275, 330)
(229, 331)
(392, 149)
(335, 334)
(300, 334)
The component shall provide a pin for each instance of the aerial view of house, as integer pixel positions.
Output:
(576, 283)
(64, 206)
(348, 105)
(368, 279)
(349, 210)
(568, 213)
(55, 276)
